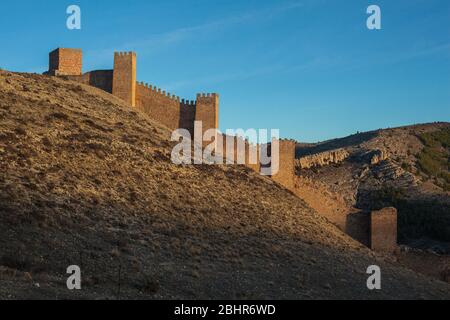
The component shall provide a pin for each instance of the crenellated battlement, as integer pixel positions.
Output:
(188, 103)
(207, 95)
(287, 140)
(124, 53)
(149, 89)
(287, 144)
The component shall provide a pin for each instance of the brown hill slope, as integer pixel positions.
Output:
(86, 180)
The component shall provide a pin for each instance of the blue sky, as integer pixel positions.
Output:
(310, 68)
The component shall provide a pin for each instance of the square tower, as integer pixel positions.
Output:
(207, 111)
(383, 230)
(66, 62)
(124, 79)
(283, 164)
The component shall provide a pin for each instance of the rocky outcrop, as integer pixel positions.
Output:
(378, 156)
(389, 172)
(371, 156)
(322, 159)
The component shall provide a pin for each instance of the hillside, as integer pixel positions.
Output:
(86, 180)
(406, 167)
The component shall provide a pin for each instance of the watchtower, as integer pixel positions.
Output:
(65, 62)
(124, 78)
(283, 165)
(207, 111)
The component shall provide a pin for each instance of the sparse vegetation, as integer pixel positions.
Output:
(149, 284)
(434, 160)
(406, 166)
(416, 218)
(16, 262)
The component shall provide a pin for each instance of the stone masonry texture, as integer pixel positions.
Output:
(64, 61)
(383, 230)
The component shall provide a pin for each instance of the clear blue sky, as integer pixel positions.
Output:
(308, 67)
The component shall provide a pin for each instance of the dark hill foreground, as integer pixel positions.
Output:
(85, 180)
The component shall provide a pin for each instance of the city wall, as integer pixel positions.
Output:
(377, 230)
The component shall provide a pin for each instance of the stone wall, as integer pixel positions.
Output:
(159, 105)
(187, 115)
(286, 163)
(358, 227)
(102, 79)
(378, 230)
(251, 152)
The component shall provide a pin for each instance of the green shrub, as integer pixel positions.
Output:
(416, 218)
(406, 166)
(434, 160)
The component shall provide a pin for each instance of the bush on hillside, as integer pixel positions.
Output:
(434, 160)
(416, 218)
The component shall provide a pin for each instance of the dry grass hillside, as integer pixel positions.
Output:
(86, 180)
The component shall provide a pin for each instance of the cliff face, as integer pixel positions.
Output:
(322, 159)
(87, 180)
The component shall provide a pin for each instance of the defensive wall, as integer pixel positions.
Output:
(377, 230)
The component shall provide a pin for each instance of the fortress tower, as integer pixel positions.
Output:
(383, 230)
(65, 62)
(286, 163)
(207, 111)
(124, 78)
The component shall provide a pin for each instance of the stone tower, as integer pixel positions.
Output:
(383, 230)
(286, 163)
(207, 111)
(124, 78)
(65, 62)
